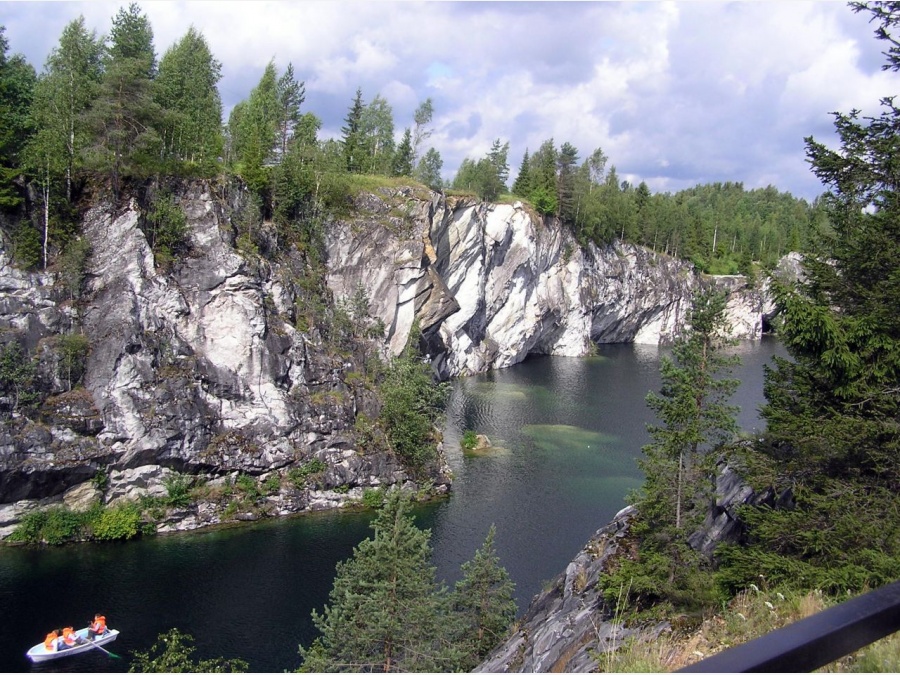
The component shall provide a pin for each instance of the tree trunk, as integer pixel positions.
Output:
(678, 498)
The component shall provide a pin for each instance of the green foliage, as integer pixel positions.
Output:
(484, 602)
(17, 375)
(100, 480)
(469, 440)
(373, 498)
(352, 140)
(694, 414)
(178, 490)
(300, 475)
(73, 265)
(386, 612)
(73, 349)
(117, 522)
(173, 653)
(186, 90)
(428, 171)
(833, 408)
(166, 230)
(412, 403)
(17, 81)
(694, 417)
(486, 177)
(54, 526)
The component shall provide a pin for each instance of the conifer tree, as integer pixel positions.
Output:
(352, 139)
(693, 411)
(483, 600)
(833, 408)
(386, 612)
(402, 164)
(124, 118)
(522, 184)
(429, 169)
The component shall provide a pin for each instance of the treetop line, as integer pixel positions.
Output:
(106, 112)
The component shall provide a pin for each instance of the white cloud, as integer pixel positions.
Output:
(674, 92)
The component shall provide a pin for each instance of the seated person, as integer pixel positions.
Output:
(97, 627)
(50, 641)
(69, 638)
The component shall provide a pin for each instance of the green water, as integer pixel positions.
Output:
(567, 433)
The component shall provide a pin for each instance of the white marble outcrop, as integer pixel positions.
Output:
(492, 283)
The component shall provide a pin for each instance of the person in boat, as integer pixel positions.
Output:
(50, 641)
(97, 627)
(69, 638)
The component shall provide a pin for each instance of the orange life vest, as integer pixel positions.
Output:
(50, 641)
(99, 625)
(69, 636)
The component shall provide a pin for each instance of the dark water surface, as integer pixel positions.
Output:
(566, 434)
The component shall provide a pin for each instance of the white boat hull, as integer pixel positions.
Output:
(39, 653)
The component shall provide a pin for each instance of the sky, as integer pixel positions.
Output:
(675, 93)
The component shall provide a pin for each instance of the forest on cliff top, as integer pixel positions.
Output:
(105, 115)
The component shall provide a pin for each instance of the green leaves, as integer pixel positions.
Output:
(386, 613)
(173, 653)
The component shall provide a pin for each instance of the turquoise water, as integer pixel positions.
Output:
(566, 434)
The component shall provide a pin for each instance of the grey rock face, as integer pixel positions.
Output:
(198, 369)
(570, 623)
(491, 284)
(569, 620)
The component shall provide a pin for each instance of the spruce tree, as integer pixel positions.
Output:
(386, 613)
(402, 164)
(693, 410)
(351, 135)
(833, 408)
(522, 183)
(484, 602)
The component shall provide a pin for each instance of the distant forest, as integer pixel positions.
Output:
(105, 113)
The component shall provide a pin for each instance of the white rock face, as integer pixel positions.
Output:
(491, 284)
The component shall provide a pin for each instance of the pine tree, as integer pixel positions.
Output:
(565, 182)
(484, 601)
(693, 411)
(386, 613)
(522, 184)
(124, 117)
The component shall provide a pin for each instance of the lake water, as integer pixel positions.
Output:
(566, 433)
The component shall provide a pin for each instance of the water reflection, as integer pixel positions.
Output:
(571, 430)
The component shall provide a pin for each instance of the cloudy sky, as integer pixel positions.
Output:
(675, 93)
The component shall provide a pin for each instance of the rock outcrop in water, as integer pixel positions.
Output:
(201, 368)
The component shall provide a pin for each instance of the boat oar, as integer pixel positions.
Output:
(96, 646)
